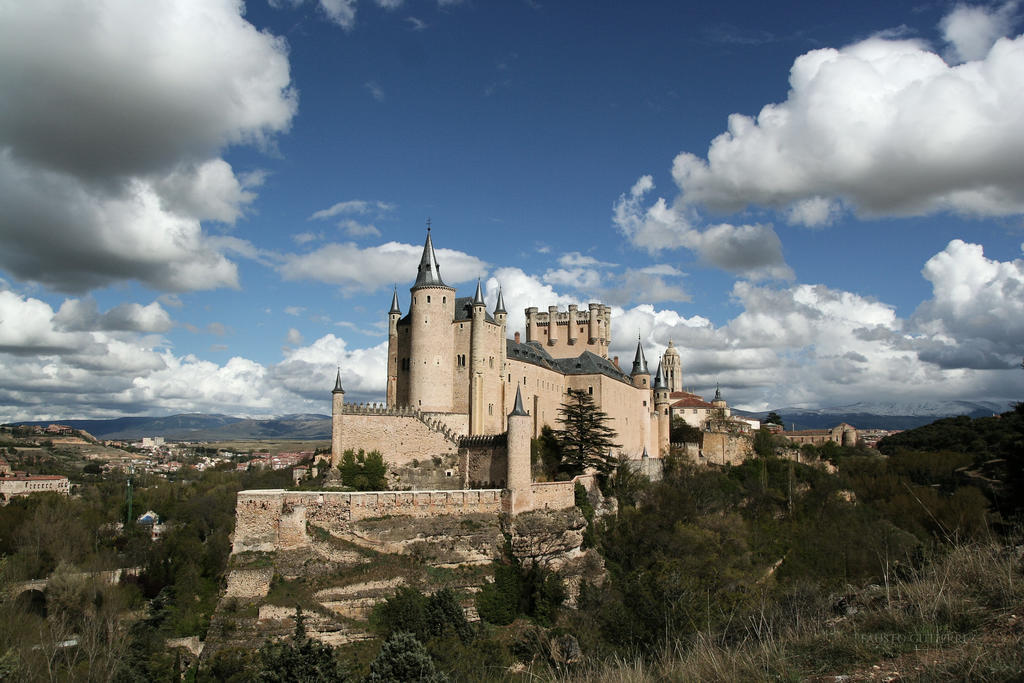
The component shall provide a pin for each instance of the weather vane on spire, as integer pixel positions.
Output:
(428, 224)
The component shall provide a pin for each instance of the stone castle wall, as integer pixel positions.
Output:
(267, 520)
(399, 438)
(723, 448)
(483, 461)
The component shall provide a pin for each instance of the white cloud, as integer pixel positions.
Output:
(294, 337)
(294, 310)
(356, 269)
(885, 127)
(357, 229)
(753, 251)
(341, 12)
(972, 30)
(354, 206)
(416, 24)
(83, 314)
(115, 117)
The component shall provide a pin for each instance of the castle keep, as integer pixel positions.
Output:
(453, 377)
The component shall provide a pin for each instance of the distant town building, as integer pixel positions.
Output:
(13, 483)
(842, 434)
(152, 441)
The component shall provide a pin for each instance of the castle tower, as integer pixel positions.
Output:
(519, 478)
(594, 326)
(662, 406)
(477, 363)
(501, 317)
(337, 409)
(719, 402)
(572, 331)
(431, 339)
(673, 368)
(552, 325)
(640, 375)
(393, 317)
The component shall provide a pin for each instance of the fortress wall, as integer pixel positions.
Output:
(483, 462)
(267, 520)
(559, 495)
(721, 448)
(457, 422)
(256, 518)
(400, 439)
(624, 404)
(543, 391)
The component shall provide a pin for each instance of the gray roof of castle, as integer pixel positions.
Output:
(394, 304)
(428, 273)
(500, 306)
(464, 310)
(478, 298)
(587, 363)
(518, 409)
(640, 361)
(337, 384)
(659, 379)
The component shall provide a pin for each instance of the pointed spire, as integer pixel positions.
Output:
(718, 392)
(500, 307)
(659, 379)
(646, 454)
(518, 408)
(428, 273)
(337, 384)
(394, 303)
(639, 360)
(478, 298)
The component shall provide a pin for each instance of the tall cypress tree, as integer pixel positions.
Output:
(585, 437)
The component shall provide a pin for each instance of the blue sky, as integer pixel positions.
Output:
(207, 203)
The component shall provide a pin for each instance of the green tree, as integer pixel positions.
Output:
(403, 658)
(363, 471)
(300, 659)
(585, 438)
(683, 432)
(773, 418)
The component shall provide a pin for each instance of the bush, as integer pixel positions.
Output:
(403, 658)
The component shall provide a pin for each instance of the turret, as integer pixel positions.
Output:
(394, 315)
(337, 427)
(519, 479)
(500, 314)
(477, 363)
(431, 339)
(552, 325)
(662, 405)
(640, 374)
(573, 332)
(593, 328)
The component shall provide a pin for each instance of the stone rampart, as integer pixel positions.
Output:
(483, 460)
(724, 448)
(267, 520)
(401, 435)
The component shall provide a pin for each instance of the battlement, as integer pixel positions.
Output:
(567, 333)
(484, 440)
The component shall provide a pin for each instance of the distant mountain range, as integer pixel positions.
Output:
(199, 427)
(891, 415)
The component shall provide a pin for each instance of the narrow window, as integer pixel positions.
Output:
(590, 390)
(444, 299)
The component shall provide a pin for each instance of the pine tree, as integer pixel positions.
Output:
(585, 437)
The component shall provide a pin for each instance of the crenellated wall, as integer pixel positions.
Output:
(400, 434)
(483, 460)
(271, 519)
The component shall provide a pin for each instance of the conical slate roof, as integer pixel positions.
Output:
(518, 409)
(478, 298)
(394, 304)
(337, 384)
(659, 379)
(500, 307)
(428, 274)
(640, 361)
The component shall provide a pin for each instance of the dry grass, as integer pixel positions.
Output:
(961, 617)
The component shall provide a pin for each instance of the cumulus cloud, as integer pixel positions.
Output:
(972, 30)
(882, 127)
(115, 115)
(83, 314)
(294, 337)
(355, 269)
(753, 251)
(976, 309)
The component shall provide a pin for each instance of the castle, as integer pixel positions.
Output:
(452, 371)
